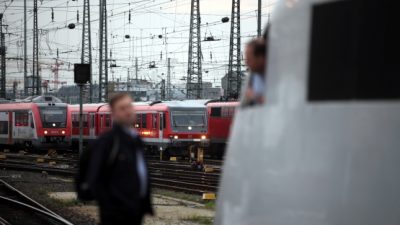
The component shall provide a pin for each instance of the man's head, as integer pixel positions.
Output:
(256, 55)
(122, 109)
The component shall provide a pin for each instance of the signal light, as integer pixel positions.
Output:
(45, 132)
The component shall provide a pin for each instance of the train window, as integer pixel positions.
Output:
(161, 121)
(154, 126)
(351, 54)
(85, 120)
(227, 111)
(31, 120)
(107, 120)
(138, 122)
(164, 121)
(91, 121)
(3, 127)
(144, 120)
(215, 112)
(75, 120)
(21, 119)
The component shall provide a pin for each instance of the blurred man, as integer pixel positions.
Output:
(117, 171)
(255, 54)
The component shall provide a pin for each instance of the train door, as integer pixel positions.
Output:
(31, 126)
(92, 126)
(4, 128)
(10, 128)
(161, 122)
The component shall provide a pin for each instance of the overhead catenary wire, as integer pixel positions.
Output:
(174, 25)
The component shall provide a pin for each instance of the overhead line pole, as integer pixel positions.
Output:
(234, 78)
(86, 55)
(25, 53)
(3, 60)
(36, 78)
(259, 19)
(169, 94)
(194, 80)
(103, 62)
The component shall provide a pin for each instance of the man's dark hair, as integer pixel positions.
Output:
(117, 97)
(259, 47)
(266, 32)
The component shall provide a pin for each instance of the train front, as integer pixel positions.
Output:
(188, 128)
(53, 131)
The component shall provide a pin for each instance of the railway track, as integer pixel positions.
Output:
(177, 176)
(16, 208)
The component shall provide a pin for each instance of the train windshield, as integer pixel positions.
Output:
(53, 117)
(188, 119)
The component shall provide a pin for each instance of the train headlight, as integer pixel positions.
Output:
(45, 132)
(189, 128)
(54, 124)
(63, 132)
(176, 137)
(203, 137)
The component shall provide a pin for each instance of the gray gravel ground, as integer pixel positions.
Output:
(37, 186)
(169, 210)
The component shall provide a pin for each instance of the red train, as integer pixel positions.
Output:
(169, 126)
(220, 116)
(42, 122)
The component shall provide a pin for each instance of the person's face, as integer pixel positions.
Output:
(123, 112)
(260, 64)
(255, 63)
(250, 59)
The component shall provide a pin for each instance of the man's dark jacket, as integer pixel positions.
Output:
(116, 186)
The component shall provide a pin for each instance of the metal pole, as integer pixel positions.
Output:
(25, 53)
(128, 82)
(259, 19)
(80, 119)
(169, 80)
(194, 80)
(136, 70)
(86, 54)
(101, 21)
(3, 60)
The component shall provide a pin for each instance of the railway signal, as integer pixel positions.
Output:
(81, 78)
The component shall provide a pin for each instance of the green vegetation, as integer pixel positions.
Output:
(200, 220)
(210, 205)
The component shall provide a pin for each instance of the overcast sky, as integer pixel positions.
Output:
(149, 18)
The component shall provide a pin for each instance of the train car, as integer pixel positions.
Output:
(172, 127)
(220, 116)
(325, 148)
(35, 123)
(91, 122)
